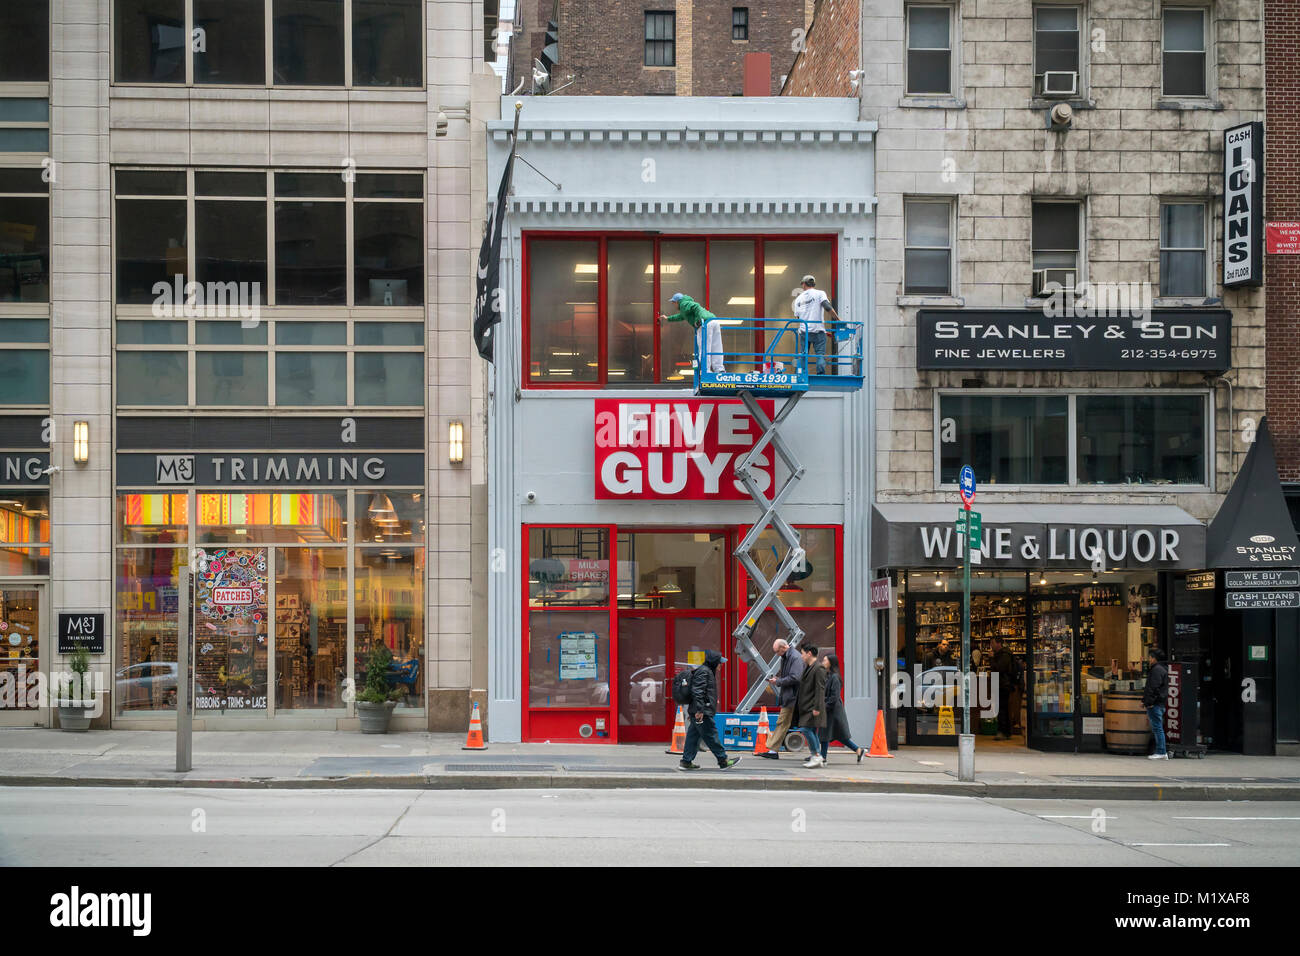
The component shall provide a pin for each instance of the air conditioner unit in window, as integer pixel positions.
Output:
(1043, 278)
(1060, 83)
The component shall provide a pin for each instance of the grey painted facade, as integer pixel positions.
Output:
(684, 166)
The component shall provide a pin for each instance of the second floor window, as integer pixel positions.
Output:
(660, 38)
(1056, 51)
(1182, 249)
(1055, 245)
(1184, 52)
(225, 42)
(24, 236)
(740, 23)
(927, 258)
(929, 50)
(591, 303)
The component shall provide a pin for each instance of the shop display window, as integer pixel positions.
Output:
(230, 631)
(147, 604)
(1141, 439)
(811, 586)
(568, 567)
(389, 604)
(24, 533)
(395, 517)
(272, 518)
(667, 571)
(311, 627)
(150, 518)
(583, 327)
(568, 658)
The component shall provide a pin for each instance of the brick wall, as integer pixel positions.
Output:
(830, 52)
(1282, 201)
(602, 43)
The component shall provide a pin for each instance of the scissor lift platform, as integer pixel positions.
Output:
(771, 371)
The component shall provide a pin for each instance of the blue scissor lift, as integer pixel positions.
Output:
(776, 369)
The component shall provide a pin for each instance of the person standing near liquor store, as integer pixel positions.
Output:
(1153, 698)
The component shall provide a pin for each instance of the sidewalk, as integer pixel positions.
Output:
(323, 759)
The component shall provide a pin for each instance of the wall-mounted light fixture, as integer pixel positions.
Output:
(81, 442)
(456, 443)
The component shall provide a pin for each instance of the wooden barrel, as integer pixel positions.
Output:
(1127, 729)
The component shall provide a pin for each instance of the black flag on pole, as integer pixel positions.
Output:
(488, 297)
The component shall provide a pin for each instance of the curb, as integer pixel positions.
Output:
(546, 781)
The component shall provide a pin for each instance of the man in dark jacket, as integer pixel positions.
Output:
(701, 711)
(1004, 665)
(784, 685)
(810, 704)
(1154, 698)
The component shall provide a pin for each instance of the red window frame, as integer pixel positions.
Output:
(602, 238)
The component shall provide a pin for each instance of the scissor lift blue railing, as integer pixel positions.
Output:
(778, 369)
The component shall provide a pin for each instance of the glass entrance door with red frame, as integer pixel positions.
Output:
(653, 648)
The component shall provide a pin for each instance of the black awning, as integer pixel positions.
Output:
(1253, 527)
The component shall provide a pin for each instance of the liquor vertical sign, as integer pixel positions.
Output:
(1243, 205)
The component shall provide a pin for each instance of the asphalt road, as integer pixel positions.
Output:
(96, 826)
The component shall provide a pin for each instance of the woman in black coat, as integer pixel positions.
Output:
(837, 719)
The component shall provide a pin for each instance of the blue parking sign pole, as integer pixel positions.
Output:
(966, 742)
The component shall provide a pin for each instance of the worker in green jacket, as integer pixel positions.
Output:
(708, 330)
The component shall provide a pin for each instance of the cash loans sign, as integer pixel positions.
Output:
(1243, 205)
(676, 448)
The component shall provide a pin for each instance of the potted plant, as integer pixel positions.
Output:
(377, 698)
(76, 704)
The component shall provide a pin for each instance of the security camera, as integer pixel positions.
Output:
(53, 469)
(440, 127)
(530, 497)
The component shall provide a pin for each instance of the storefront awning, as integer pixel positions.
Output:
(1253, 527)
(1040, 536)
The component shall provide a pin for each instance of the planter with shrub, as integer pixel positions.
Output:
(377, 699)
(74, 697)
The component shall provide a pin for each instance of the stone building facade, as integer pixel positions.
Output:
(988, 147)
(252, 111)
(603, 44)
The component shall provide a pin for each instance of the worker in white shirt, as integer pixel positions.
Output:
(810, 307)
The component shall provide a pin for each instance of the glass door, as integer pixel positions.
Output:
(645, 697)
(1054, 676)
(22, 618)
(933, 659)
(692, 635)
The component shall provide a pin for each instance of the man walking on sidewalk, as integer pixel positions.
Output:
(701, 711)
(1154, 698)
(810, 705)
(785, 685)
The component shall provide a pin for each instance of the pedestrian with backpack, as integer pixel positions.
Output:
(1007, 668)
(701, 708)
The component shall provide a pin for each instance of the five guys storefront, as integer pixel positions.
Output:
(630, 575)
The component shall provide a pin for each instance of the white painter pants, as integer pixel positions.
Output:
(710, 352)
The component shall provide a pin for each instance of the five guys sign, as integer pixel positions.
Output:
(675, 448)
(1243, 205)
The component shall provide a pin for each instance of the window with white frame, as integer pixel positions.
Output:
(927, 254)
(929, 50)
(1079, 438)
(1055, 245)
(1057, 69)
(1183, 249)
(337, 264)
(1184, 45)
(229, 42)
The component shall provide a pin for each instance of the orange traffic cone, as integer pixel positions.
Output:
(879, 746)
(474, 739)
(679, 733)
(760, 740)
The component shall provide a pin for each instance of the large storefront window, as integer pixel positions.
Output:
(667, 571)
(1118, 439)
(24, 533)
(594, 326)
(270, 608)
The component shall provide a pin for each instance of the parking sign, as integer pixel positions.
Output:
(966, 484)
